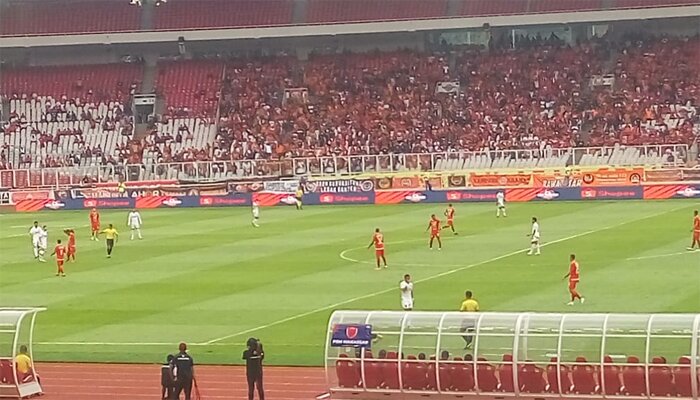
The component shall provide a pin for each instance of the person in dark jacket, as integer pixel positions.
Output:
(254, 357)
(185, 373)
(167, 379)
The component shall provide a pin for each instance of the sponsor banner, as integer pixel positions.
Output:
(30, 205)
(281, 186)
(16, 197)
(234, 187)
(691, 174)
(556, 180)
(415, 182)
(664, 175)
(458, 181)
(471, 195)
(5, 198)
(612, 193)
(233, 199)
(383, 183)
(655, 192)
(542, 194)
(339, 186)
(500, 180)
(339, 198)
(267, 199)
(612, 177)
(352, 335)
(124, 202)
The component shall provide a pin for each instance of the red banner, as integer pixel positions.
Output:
(612, 177)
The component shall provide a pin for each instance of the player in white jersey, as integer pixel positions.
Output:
(500, 204)
(36, 233)
(134, 222)
(406, 287)
(534, 238)
(256, 214)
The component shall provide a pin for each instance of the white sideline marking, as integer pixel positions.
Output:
(660, 255)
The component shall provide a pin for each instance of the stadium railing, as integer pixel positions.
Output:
(208, 171)
(514, 355)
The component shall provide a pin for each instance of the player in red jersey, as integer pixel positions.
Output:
(696, 232)
(434, 227)
(60, 252)
(574, 276)
(94, 224)
(71, 244)
(450, 214)
(378, 243)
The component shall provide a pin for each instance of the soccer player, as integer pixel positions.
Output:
(468, 305)
(450, 214)
(133, 221)
(111, 235)
(256, 214)
(299, 196)
(573, 275)
(534, 238)
(43, 242)
(35, 233)
(500, 204)
(406, 287)
(378, 242)
(94, 224)
(696, 232)
(71, 244)
(60, 252)
(434, 227)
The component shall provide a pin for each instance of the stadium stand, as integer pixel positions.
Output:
(196, 14)
(46, 17)
(325, 11)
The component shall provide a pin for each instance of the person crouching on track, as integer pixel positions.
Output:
(185, 373)
(167, 378)
(254, 357)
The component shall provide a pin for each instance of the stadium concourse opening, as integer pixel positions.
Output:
(408, 355)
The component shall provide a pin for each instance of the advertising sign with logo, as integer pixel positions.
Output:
(612, 193)
(16, 197)
(339, 186)
(556, 180)
(281, 186)
(500, 180)
(5, 198)
(613, 177)
(340, 198)
(664, 175)
(352, 335)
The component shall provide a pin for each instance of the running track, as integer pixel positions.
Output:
(138, 381)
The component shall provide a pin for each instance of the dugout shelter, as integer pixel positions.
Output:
(17, 329)
(419, 355)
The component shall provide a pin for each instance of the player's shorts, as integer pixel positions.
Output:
(450, 222)
(501, 206)
(110, 242)
(435, 234)
(36, 243)
(43, 244)
(572, 285)
(379, 253)
(59, 263)
(135, 226)
(407, 304)
(95, 227)
(696, 235)
(535, 239)
(71, 250)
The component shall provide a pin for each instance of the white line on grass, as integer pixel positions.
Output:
(450, 272)
(659, 255)
(346, 258)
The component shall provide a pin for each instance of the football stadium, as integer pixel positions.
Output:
(350, 199)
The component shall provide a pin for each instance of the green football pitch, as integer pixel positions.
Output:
(206, 276)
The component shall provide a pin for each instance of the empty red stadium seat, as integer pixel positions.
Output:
(390, 371)
(611, 375)
(6, 375)
(583, 377)
(414, 374)
(633, 377)
(505, 373)
(462, 375)
(431, 380)
(553, 376)
(681, 377)
(185, 14)
(445, 374)
(348, 372)
(660, 378)
(320, 11)
(373, 374)
(531, 378)
(486, 376)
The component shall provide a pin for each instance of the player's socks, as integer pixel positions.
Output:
(582, 299)
(36, 252)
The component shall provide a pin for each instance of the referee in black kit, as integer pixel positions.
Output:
(254, 357)
(185, 373)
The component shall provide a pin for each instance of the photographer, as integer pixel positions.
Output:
(254, 357)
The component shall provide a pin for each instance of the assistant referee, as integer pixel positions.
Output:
(468, 305)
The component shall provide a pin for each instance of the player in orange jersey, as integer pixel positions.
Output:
(450, 214)
(378, 243)
(94, 224)
(434, 227)
(696, 232)
(71, 244)
(574, 276)
(60, 252)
